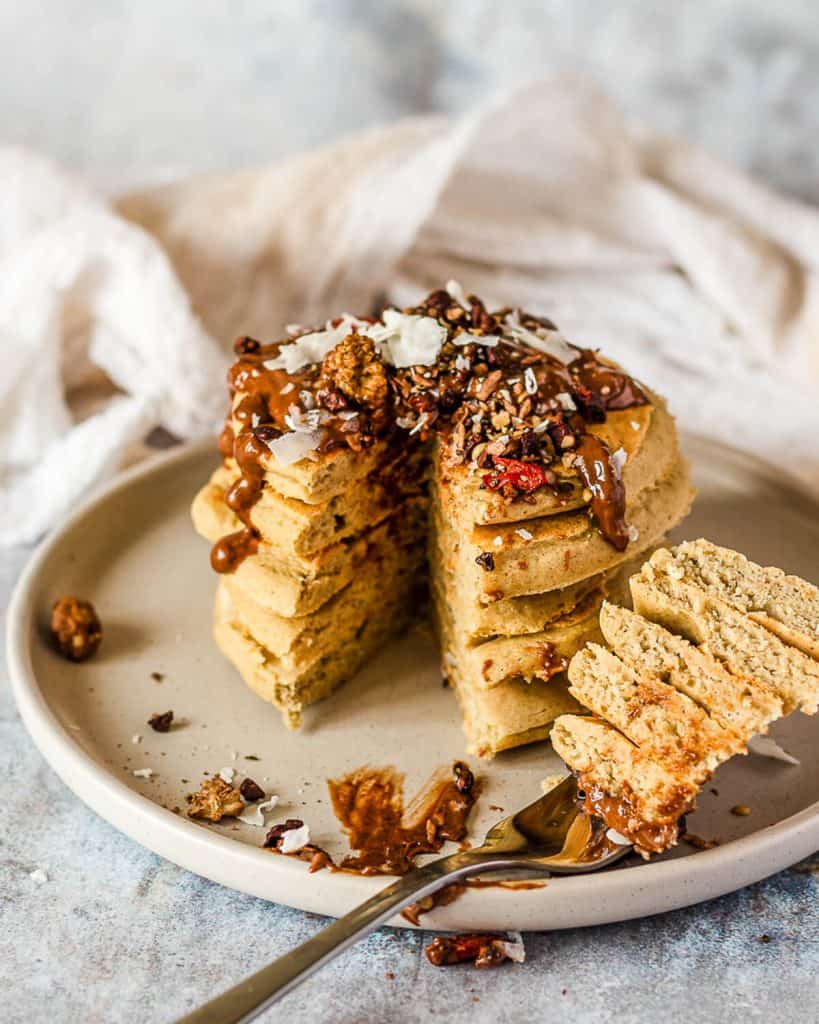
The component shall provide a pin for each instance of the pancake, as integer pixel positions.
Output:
(290, 585)
(290, 688)
(557, 551)
(786, 605)
(293, 525)
(646, 435)
(743, 704)
(745, 647)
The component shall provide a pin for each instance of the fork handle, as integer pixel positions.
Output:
(250, 997)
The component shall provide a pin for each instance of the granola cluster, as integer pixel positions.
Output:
(215, 799)
(75, 628)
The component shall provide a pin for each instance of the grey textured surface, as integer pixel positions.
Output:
(124, 92)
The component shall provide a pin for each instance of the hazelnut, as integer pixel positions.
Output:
(76, 628)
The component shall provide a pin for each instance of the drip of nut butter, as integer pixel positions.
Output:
(504, 392)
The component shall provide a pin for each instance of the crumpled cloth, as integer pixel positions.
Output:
(117, 317)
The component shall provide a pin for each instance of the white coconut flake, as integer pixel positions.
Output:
(530, 381)
(513, 947)
(347, 414)
(764, 746)
(497, 541)
(619, 459)
(307, 399)
(404, 422)
(542, 338)
(633, 534)
(635, 425)
(143, 773)
(288, 387)
(255, 814)
(468, 338)
(461, 362)
(449, 658)
(456, 292)
(136, 738)
(542, 427)
(227, 775)
(617, 837)
(39, 876)
(524, 534)
(294, 839)
(313, 347)
(566, 401)
(295, 446)
(293, 328)
(406, 339)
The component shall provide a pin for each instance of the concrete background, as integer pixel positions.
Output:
(124, 93)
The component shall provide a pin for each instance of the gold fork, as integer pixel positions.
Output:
(550, 835)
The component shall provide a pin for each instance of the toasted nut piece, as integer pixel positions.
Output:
(76, 628)
(215, 800)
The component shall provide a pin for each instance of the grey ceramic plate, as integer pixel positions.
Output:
(133, 552)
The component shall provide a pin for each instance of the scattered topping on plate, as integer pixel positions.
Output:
(75, 628)
(251, 791)
(161, 722)
(256, 815)
(214, 800)
(764, 746)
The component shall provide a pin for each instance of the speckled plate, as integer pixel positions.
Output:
(133, 552)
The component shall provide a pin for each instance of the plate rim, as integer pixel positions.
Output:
(650, 888)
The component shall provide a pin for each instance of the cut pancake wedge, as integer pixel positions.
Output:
(743, 704)
(664, 723)
(631, 792)
(745, 647)
(786, 605)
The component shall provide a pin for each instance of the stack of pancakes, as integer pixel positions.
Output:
(479, 454)
(518, 586)
(335, 573)
(716, 649)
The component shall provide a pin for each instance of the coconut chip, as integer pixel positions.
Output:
(764, 746)
(255, 815)
(294, 839)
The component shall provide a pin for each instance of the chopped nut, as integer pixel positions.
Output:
(251, 791)
(486, 561)
(741, 810)
(483, 950)
(161, 723)
(215, 800)
(76, 628)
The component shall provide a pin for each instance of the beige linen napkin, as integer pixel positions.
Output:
(700, 280)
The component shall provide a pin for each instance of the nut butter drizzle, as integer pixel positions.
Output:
(512, 411)
(619, 814)
(384, 835)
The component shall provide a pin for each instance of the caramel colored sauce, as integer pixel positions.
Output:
(385, 837)
(618, 813)
(608, 502)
